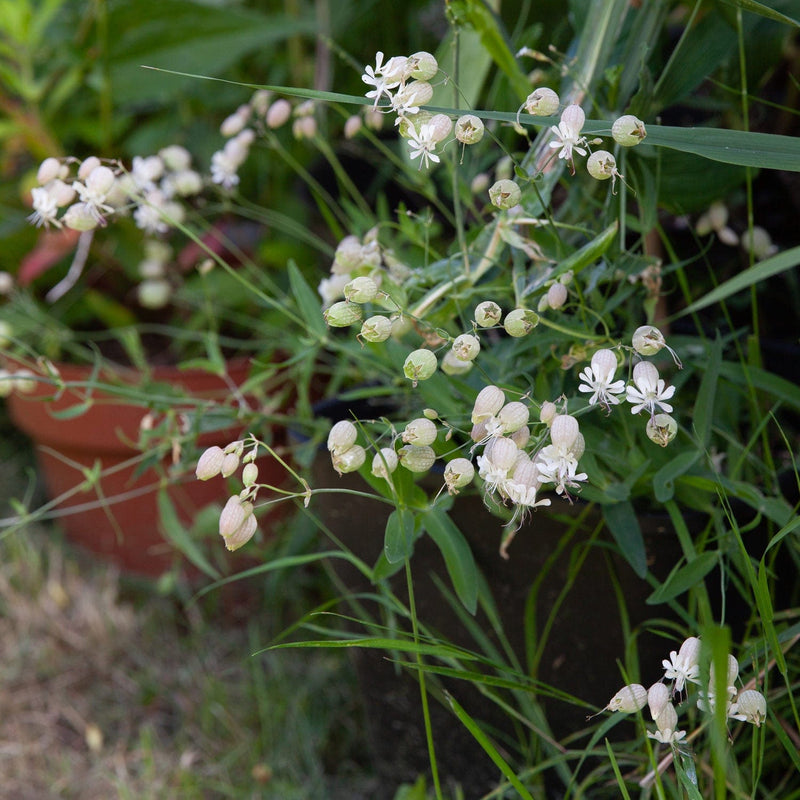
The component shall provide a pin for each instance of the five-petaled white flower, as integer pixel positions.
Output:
(684, 665)
(381, 77)
(599, 379)
(650, 391)
(422, 143)
(568, 134)
(558, 462)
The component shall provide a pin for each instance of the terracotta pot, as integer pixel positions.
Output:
(119, 518)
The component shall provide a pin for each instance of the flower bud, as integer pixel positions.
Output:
(505, 194)
(342, 314)
(210, 463)
(241, 535)
(487, 314)
(657, 697)
(457, 474)
(574, 117)
(278, 113)
(628, 699)
(469, 129)
(520, 322)
(557, 295)
(342, 436)
(304, 128)
(86, 167)
(154, 293)
(542, 102)
(376, 329)
(230, 463)
(349, 461)
(502, 452)
(488, 403)
(352, 126)
(520, 436)
(49, 170)
(420, 431)
(420, 365)
(547, 413)
(417, 458)
(361, 290)
(628, 130)
(661, 429)
(233, 515)
(564, 431)
(249, 474)
(466, 347)
(441, 125)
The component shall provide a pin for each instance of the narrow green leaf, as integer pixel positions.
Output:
(398, 541)
(177, 533)
(624, 526)
(751, 276)
(483, 740)
(385, 643)
(457, 555)
(664, 479)
(589, 253)
(307, 302)
(704, 403)
(764, 11)
(766, 614)
(74, 411)
(681, 579)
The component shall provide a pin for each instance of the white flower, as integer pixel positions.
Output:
(45, 208)
(667, 723)
(750, 706)
(568, 134)
(146, 171)
(599, 379)
(558, 462)
(498, 459)
(383, 77)
(94, 192)
(423, 143)
(667, 736)
(650, 392)
(684, 665)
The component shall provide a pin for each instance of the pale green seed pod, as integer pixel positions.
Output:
(647, 340)
(601, 165)
(420, 365)
(458, 473)
(466, 347)
(422, 65)
(504, 194)
(469, 129)
(628, 699)
(420, 431)
(661, 429)
(350, 460)
(417, 458)
(488, 403)
(209, 464)
(628, 130)
(488, 314)
(542, 102)
(453, 365)
(342, 436)
(342, 314)
(520, 322)
(384, 462)
(376, 329)
(361, 290)
(78, 217)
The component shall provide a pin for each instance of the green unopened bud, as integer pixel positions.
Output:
(417, 458)
(628, 130)
(453, 365)
(342, 314)
(342, 436)
(469, 129)
(488, 314)
(361, 290)
(661, 429)
(249, 474)
(520, 322)
(419, 365)
(423, 65)
(466, 347)
(556, 295)
(505, 194)
(384, 462)
(376, 329)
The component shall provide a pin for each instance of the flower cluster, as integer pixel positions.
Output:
(681, 669)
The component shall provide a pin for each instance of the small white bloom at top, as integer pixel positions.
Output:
(381, 77)
(568, 134)
(558, 462)
(684, 665)
(598, 378)
(650, 391)
(423, 143)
